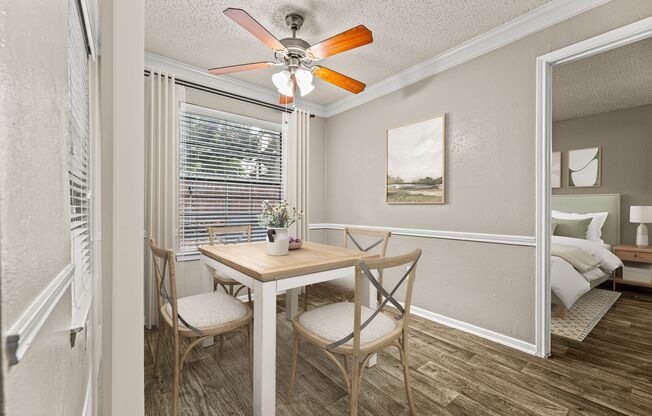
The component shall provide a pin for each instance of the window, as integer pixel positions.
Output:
(228, 165)
(79, 168)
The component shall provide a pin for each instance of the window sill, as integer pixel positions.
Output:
(183, 257)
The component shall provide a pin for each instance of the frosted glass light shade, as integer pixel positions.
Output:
(287, 89)
(304, 81)
(640, 214)
(304, 77)
(280, 79)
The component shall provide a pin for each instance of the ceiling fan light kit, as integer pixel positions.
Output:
(296, 56)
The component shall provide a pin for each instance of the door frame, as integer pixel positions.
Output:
(621, 36)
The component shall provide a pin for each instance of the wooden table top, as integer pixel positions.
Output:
(253, 260)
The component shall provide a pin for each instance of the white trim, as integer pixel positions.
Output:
(536, 20)
(224, 83)
(514, 240)
(88, 399)
(499, 338)
(532, 22)
(236, 118)
(22, 333)
(598, 44)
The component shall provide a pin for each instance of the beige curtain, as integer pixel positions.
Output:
(162, 101)
(297, 133)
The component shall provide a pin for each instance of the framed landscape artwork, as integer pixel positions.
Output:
(585, 168)
(555, 170)
(415, 163)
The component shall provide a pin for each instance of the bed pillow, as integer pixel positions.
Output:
(594, 232)
(572, 228)
(609, 260)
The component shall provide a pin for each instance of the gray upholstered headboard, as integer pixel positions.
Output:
(584, 203)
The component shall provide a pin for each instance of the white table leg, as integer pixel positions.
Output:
(207, 286)
(292, 303)
(265, 348)
(368, 297)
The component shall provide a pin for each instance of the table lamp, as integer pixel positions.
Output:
(640, 215)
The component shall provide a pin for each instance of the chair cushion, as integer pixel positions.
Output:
(335, 321)
(209, 309)
(345, 283)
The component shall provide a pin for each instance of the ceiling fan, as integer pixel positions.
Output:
(296, 56)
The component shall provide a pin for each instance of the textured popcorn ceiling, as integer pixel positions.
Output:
(405, 32)
(613, 80)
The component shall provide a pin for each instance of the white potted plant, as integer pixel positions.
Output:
(277, 219)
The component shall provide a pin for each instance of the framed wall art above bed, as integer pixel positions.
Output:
(584, 168)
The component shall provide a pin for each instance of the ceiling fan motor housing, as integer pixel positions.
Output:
(294, 21)
(295, 46)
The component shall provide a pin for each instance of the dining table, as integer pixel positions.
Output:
(268, 276)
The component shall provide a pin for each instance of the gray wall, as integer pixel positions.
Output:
(490, 107)
(626, 140)
(34, 207)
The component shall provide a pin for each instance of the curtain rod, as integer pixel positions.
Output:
(227, 94)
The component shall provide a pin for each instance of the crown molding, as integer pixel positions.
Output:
(225, 83)
(538, 19)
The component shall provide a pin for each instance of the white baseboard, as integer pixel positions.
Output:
(497, 337)
(508, 341)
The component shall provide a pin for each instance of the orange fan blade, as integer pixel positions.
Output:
(252, 26)
(239, 68)
(352, 38)
(284, 99)
(340, 80)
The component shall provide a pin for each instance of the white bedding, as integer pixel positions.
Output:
(569, 284)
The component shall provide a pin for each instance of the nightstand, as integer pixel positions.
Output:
(631, 253)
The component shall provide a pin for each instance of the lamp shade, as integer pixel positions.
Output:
(640, 214)
(280, 79)
(287, 89)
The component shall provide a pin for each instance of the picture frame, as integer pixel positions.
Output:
(415, 162)
(584, 168)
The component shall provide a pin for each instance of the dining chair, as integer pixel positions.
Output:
(355, 332)
(196, 318)
(345, 286)
(220, 234)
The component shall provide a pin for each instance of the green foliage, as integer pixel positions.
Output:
(396, 180)
(278, 215)
(428, 181)
(391, 180)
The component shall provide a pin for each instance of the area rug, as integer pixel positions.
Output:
(584, 315)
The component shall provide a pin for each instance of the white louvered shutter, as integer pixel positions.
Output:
(79, 169)
(227, 168)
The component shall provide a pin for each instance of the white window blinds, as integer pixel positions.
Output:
(228, 166)
(79, 169)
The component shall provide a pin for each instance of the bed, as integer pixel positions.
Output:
(567, 283)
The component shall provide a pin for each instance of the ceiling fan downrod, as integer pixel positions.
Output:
(294, 22)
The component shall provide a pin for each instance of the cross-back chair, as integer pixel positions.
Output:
(219, 235)
(345, 286)
(355, 332)
(198, 317)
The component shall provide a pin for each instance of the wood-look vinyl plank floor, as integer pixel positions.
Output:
(453, 373)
